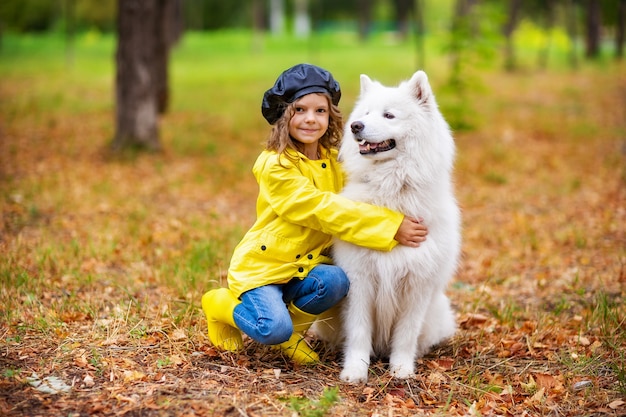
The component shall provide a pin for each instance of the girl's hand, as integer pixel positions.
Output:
(411, 232)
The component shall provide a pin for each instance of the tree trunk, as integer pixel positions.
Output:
(277, 17)
(403, 10)
(544, 52)
(365, 17)
(621, 28)
(258, 25)
(461, 50)
(593, 29)
(302, 19)
(136, 114)
(571, 20)
(167, 32)
(461, 31)
(510, 63)
(258, 16)
(70, 14)
(420, 30)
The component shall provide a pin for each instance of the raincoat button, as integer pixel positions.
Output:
(298, 256)
(310, 256)
(323, 164)
(300, 269)
(263, 247)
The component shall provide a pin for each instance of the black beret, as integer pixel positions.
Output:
(295, 82)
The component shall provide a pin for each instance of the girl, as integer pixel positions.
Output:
(281, 276)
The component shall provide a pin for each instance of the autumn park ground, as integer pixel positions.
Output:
(104, 257)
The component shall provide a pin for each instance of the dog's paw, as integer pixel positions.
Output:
(402, 371)
(354, 374)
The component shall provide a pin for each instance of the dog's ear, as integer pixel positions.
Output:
(420, 87)
(366, 83)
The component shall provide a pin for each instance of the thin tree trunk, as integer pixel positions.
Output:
(461, 30)
(403, 10)
(571, 16)
(258, 17)
(419, 34)
(544, 52)
(510, 63)
(365, 18)
(161, 56)
(70, 7)
(258, 25)
(621, 29)
(593, 28)
(302, 19)
(168, 30)
(277, 17)
(136, 113)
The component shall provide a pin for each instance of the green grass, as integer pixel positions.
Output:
(306, 407)
(608, 317)
(215, 77)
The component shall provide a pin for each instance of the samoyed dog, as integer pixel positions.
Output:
(397, 152)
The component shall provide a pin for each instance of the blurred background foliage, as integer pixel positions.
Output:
(44, 15)
(589, 28)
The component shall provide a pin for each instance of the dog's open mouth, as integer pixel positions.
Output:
(366, 148)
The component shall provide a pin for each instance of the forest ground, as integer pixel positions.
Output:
(104, 258)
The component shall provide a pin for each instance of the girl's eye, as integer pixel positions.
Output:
(299, 109)
(321, 110)
(388, 115)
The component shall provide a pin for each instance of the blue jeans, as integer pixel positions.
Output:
(263, 313)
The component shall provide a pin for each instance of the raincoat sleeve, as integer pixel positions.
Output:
(296, 199)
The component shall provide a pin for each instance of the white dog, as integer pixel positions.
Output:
(398, 152)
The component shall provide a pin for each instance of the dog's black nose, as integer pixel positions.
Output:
(357, 127)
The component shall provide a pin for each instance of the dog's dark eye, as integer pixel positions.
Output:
(388, 115)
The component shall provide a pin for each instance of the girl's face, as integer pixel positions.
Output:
(310, 119)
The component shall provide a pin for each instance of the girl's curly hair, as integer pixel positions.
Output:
(280, 141)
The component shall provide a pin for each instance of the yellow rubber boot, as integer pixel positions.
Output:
(296, 348)
(218, 306)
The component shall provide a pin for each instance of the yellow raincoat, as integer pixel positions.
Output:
(298, 211)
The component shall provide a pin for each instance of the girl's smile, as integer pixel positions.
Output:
(309, 122)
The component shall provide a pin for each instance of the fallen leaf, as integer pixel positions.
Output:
(545, 380)
(582, 340)
(436, 377)
(81, 361)
(538, 397)
(88, 381)
(409, 403)
(428, 400)
(178, 334)
(445, 363)
(530, 386)
(130, 376)
(176, 359)
(397, 392)
(473, 319)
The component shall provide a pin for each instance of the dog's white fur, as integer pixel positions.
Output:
(396, 305)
